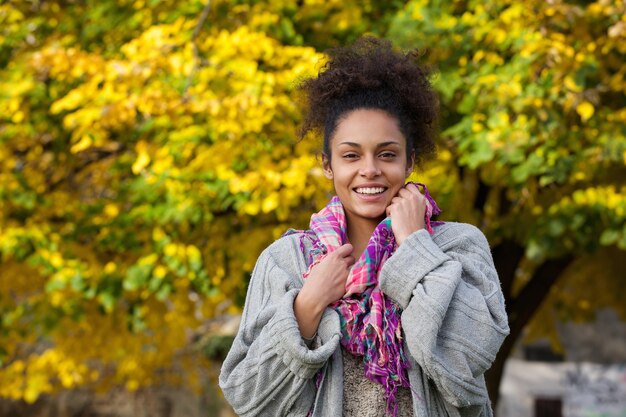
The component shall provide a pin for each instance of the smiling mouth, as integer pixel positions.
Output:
(370, 190)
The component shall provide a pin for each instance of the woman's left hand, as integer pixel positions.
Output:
(407, 210)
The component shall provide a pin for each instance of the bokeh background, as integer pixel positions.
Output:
(148, 153)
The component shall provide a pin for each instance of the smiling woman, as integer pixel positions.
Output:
(368, 164)
(375, 310)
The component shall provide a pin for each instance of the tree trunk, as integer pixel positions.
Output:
(520, 308)
(493, 377)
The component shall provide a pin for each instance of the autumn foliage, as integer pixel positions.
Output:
(148, 154)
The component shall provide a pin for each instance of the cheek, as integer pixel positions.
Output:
(341, 173)
(341, 182)
(402, 172)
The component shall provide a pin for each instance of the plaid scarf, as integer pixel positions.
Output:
(370, 321)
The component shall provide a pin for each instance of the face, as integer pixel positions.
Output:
(368, 163)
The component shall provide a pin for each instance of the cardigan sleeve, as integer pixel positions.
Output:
(269, 369)
(453, 316)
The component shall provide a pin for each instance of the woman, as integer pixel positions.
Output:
(374, 311)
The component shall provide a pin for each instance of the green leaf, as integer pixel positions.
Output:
(137, 276)
(609, 237)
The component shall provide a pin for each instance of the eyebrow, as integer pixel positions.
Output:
(380, 145)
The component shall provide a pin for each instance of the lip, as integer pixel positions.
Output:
(371, 197)
(370, 185)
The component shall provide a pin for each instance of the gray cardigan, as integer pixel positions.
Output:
(453, 320)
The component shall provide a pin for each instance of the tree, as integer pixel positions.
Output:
(143, 170)
(534, 111)
(124, 206)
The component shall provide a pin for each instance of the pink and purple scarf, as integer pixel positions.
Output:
(370, 321)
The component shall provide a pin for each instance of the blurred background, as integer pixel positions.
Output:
(148, 153)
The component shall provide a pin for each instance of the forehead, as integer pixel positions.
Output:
(368, 127)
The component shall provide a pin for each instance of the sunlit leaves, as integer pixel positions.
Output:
(533, 99)
(142, 173)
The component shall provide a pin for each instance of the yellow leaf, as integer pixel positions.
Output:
(142, 161)
(56, 299)
(585, 110)
(270, 203)
(18, 116)
(193, 253)
(158, 234)
(84, 143)
(109, 268)
(416, 14)
(159, 272)
(149, 259)
(571, 84)
(170, 249)
(251, 208)
(56, 260)
(132, 385)
(111, 210)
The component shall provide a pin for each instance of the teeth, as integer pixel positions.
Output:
(370, 190)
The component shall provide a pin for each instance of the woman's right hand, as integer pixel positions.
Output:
(325, 284)
(327, 280)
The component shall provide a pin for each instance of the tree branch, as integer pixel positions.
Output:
(196, 53)
(480, 199)
(507, 255)
(95, 155)
(505, 204)
(522, 307)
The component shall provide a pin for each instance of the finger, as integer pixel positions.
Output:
(344, 250)
(395, 202)
(350, 260)
(413, 189)
(391, 207)
(405, 193)
(412, 186)
(415, 195)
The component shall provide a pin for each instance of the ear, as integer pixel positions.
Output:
(410, 165)
(328, 171)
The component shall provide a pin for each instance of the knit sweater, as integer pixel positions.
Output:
(453, 320)
(364, 398)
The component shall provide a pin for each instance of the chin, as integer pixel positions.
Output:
(373, 214)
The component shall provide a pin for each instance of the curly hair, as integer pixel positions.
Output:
(370, 74)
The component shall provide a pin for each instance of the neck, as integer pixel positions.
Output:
(359, 233)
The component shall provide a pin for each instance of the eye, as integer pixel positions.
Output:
(350, 155)
(387, 155)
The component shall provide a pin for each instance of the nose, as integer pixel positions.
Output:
(370, 168)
